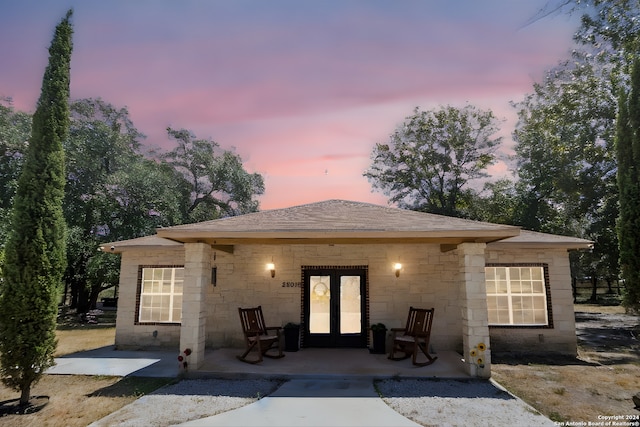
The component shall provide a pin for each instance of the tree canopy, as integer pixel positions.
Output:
(431, 158)
(628, 152)
(213, 181)
(15, 129)
(117, 190)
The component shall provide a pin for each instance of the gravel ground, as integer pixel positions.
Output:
(440, 403)
(469, 403)
(188, 400)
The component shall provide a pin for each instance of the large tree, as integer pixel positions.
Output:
(113, 193)
(214, 182)
(628, 152)
(567, 159)
(566, 163)
(35, 250)
(116, 190)
(563, 148)
(496, 202)
(431, 158)
(102, 142)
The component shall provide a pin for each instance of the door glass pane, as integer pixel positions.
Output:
(319, 305)
(350, 315)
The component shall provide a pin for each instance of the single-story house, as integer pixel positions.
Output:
(336, 267)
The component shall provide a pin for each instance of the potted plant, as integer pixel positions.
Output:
(291, 336)
(379, 332)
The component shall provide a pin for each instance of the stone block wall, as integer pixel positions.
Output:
(429, 278)
(128, 334)
(561, 338)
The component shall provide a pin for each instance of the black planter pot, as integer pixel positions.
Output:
(291, 338)
(379, 341)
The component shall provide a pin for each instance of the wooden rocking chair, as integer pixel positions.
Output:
(258, 336)
(413, 337)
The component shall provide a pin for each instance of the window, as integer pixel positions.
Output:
(517, 295)
(160, 294)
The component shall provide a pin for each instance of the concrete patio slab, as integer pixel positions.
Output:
(109, 361)
(328, 363)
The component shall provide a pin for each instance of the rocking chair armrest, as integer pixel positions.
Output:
(253, 332)
(395, 331)
(273, 328)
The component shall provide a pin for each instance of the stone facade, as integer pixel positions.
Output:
(451, 281)
(561, 338)
(130, 335)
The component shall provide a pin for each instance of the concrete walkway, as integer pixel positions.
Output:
(119, 363)
(313, 402)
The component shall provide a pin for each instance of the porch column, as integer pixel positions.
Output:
(197, 277)
(473, 305)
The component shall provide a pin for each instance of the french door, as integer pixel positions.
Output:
(335, 307)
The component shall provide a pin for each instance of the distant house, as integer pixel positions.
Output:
(336, 267)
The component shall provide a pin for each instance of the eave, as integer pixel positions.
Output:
(448, 237)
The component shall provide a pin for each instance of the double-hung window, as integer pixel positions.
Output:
(161, 294)
(516, 295)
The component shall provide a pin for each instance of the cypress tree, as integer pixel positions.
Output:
(35, 249)
(628, 156)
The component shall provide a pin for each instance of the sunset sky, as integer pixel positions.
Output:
(301, 90)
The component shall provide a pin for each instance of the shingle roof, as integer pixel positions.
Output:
(334, 215)
(339, 219)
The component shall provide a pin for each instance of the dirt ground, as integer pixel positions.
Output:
(598, 384)
(78, 400)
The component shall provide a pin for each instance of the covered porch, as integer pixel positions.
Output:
(222, 363)
(442, 258)
(327, 362)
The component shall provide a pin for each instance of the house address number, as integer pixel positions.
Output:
(291, 284)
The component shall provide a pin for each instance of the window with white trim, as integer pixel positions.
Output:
(516, 295)
(161, 295)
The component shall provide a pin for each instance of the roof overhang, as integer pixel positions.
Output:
(338, 237)
(543, 245)
(535, 240)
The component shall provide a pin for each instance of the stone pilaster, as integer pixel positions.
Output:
(197, 277)
(473, 305)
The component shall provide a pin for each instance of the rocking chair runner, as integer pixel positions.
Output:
(258, 336)
(415, 336)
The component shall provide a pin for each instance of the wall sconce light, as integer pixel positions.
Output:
(272, 268)
(397, 267)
